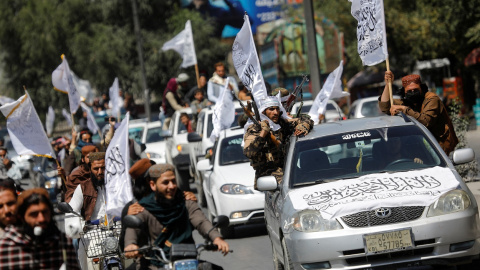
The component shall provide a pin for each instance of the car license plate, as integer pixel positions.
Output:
(389, 241)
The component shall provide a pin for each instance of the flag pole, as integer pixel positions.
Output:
(389, 83)
(198, 76)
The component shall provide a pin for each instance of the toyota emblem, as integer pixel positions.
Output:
(383, 212)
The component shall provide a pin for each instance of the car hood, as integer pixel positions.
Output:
(241, 173)
(369, 192)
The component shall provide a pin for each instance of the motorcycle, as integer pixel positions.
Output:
(182, 256)
(100, 241)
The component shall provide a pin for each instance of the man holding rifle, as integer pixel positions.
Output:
(265, 140)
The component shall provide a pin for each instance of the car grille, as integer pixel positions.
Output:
(368, 218)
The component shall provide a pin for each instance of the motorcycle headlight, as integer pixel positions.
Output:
(50, 184)
(453, 201)
(235, 189)
(312, 221)
(111, 244)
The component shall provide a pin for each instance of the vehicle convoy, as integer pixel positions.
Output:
(228, 183)
(182, 256)
(367, 193)
(333, 112)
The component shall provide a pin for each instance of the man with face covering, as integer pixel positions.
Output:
(266, 158)
(422, 105)
(170, 218)
(36, 242)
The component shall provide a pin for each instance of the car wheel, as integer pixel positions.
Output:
(286, 256)
(277, 265)
(228, 232)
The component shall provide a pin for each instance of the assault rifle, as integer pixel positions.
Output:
(293, 96)
(250, 115)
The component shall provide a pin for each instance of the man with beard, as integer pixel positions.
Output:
(265, 156)
(217, 83)
(422, 105)
(75, 153)
(8, 204)
(80, 173)
(89, 200)
(36, 243)
(169, 217)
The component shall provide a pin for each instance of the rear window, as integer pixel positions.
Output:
(371, 109)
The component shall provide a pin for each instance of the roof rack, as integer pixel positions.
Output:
(405, 117)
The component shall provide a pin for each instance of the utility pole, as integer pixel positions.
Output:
(136, 26)
(312, 47)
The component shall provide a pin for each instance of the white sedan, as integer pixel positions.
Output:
(228, 183)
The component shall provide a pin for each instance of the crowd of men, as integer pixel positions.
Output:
(30, 238)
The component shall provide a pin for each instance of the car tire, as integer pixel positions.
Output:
(228, 232)
(286, 257)
(277, 265)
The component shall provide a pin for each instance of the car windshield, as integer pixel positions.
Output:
(238, 113)
(231, 151)
(136, 133)
(362, 152)
(371, 109)
(154, 135)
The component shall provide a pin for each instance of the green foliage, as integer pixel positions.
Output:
(98, 39)
(468, 171)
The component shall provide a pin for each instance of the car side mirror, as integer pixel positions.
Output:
(204, 165)
(194, 137)
(461, 156)
(132, 221)
(65, 208)
(267, 183)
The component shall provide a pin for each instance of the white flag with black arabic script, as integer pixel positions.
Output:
(224, 112)
(91, 123)
(183, 44)
(114, 98)
(25, 128)
(62, 80)
(331, 89)
(371, 34)
(245, 60)
(49, 120)
(117, 165)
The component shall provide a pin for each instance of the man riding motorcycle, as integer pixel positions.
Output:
(170, 219)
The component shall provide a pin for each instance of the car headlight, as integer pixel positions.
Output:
(151, 155)
(235, 189)
(50, 183)
(312, 221)
(450, 202)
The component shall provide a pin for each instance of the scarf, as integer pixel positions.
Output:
(174, 217)
(171, 87)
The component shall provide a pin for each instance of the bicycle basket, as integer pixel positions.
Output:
(94, 240)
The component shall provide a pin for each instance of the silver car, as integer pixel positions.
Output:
(367, 193)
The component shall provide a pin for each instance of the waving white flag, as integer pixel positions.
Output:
(117, 165)
(224, 112)
(245, 60)
(371, 34)
(331, 89)
(183, 44)
(25, 128)
(114, 98)
(49, 120)
(91, 123)
(5, 100)
(62, 80)
(67, 116)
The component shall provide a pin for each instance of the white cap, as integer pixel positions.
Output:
(267, 102)
(182, 77)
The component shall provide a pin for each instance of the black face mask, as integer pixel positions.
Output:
(414, 96)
